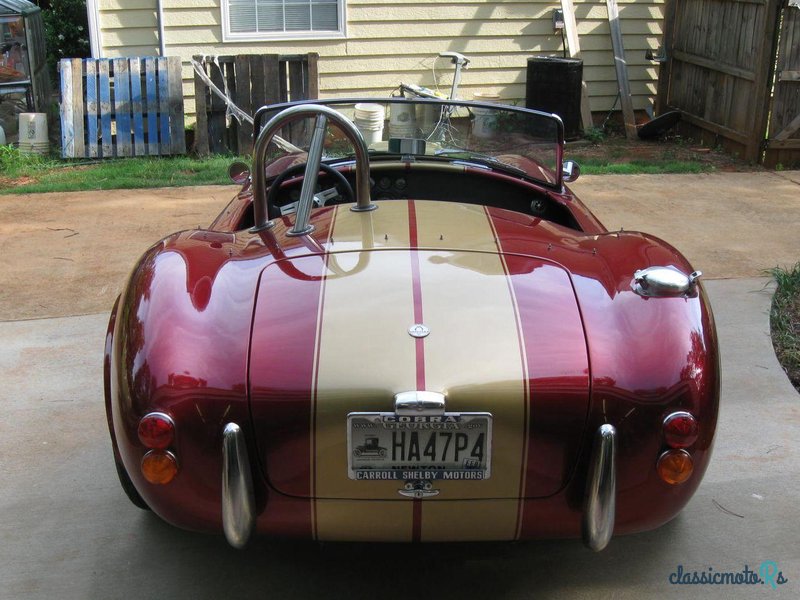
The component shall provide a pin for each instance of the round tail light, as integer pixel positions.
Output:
(680, 430)
(159, 467)
(156, 430)
(675, 466)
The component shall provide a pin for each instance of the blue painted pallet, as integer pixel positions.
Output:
(121, 107)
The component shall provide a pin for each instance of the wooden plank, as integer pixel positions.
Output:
(67, 111)
(273, 90)
(283, 85)
(716, 128)
(573, 43)
(77, 107)
(784, 145)
(164, 137)
(313, 75)
(232, 132)
(175, 101)
(297, 87)
(789, 130)
(201, 122)
(669, 86)
(258, 80)
(137, 106)
(242, 98)
(151, 102)
(106, 108)
(622, 70)
(92, 110)
(122, 106)
(713, 65)
(764, 60)
(789, 76)
(216, 119)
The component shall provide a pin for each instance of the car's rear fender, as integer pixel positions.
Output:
(177, 344)
(650, 357)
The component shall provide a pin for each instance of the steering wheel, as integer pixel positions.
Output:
(273, 210)
(262, 207)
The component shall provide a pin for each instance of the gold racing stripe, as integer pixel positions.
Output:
(473, 356)
(365, 357)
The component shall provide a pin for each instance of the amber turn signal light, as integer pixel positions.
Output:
(680, 430)
(159, 467)
(156, 430)
(675, 466)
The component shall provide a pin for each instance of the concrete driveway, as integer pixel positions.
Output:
(69, 532)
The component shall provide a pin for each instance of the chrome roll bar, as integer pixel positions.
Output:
(289, 115)
(600, 502)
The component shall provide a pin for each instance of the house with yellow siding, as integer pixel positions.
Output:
(367, 47)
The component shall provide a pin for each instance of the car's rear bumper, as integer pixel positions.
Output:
(447, 520)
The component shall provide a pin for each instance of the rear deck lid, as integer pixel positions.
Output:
(332, 336)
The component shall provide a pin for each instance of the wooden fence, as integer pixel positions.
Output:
(720, 73)
(121, 107)
(250, 81)
(783, 144)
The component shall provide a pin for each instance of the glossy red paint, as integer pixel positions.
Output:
(635, 382)
(556, 364)
(180, 342)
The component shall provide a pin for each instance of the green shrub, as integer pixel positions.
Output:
(66, 29)
(9, 158)
(594, 134)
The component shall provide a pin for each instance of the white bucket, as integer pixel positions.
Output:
(28, 148)
(403, 121)
(369, 119)
(484, 123)
(368, 111)
(371, 136)
(2, 136)
(481, 97)
(32, 127)
(428, 116)
(396, 131)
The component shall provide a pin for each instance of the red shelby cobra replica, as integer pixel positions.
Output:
(424, 336)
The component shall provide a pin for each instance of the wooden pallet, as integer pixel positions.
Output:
(121, 107)
(253, 81)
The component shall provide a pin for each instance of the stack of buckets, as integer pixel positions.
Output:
(369, 119)
(33, 133)
(403, 121)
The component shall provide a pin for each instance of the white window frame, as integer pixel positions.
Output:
(229, 36)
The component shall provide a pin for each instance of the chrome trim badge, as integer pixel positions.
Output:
(418, 488)
(418, 330)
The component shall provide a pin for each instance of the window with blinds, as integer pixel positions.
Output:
(270, 19)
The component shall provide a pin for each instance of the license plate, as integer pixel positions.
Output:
(383, 446)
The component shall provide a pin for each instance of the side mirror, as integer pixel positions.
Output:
(239, 172)
(570, 171)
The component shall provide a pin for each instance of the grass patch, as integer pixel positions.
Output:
(599, 166)
(22, 174)
(785, 320)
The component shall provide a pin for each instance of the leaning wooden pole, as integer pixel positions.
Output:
(574, 50)
(622, 70)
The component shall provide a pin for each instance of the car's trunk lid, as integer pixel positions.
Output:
(331, 337)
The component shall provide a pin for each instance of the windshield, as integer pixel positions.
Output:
(519, 141)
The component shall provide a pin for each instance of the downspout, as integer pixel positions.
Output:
(93, 17)
(162, 45)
